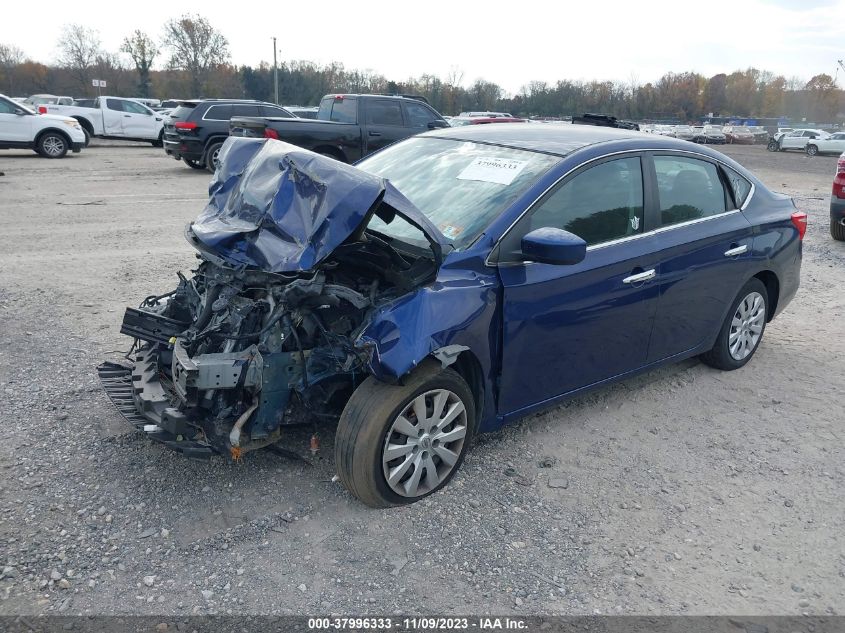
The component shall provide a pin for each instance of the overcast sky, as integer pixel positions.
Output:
(510, 43)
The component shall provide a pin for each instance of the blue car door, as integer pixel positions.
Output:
(704, 243)
(567, 327)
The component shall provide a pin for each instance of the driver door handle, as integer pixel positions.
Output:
(639, 277)
(126, 116)
(375, 133)
(739, 250)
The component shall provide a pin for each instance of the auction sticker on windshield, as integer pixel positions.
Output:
(499, 170)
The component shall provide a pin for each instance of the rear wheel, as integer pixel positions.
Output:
(195, 164)
(212, 157)
(396, 444)
(812, 150)
(772, 145)
(52, 145)
(837, 230)
(742, 330)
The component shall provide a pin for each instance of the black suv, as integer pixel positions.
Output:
(195, 130)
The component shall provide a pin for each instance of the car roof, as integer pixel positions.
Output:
(551, 139)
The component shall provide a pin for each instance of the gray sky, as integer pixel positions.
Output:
(510, 42)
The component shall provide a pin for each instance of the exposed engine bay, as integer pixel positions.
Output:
(237, 351)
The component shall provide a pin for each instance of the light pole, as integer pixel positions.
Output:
(275, 74)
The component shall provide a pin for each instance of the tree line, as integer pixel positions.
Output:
(197, 63)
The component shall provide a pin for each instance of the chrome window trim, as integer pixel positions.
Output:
(627, 238)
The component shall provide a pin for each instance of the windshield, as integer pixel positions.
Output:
(460, 186)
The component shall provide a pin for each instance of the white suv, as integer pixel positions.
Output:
(49, 135)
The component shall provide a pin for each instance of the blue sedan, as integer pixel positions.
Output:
(448, 285)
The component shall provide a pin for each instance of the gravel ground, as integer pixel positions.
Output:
(684, 491)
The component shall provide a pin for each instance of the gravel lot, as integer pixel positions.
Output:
(684, 491)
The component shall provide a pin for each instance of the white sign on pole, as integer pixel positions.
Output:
(95, 82)
(102, 83)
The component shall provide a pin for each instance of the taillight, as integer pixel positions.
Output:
(799, 219)
(42, 109)
(839, 179)
(185, 125)
(271, 133)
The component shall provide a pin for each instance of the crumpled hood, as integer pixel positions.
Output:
(281, 208)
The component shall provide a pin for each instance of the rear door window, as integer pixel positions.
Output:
(384, 112)
(340, 110)
(218, 113)
(688, 189)
(244, 109)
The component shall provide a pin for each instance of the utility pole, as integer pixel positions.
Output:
(275, 74)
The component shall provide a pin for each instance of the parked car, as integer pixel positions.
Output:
(303, 112)
(486, 114)
(451, 283)
(761, 134)
(48, 135)
(709, 135)
(113, 117)
(738, 134)
(348, 126)
(195, 131)
(458, 121)
(837, 202)
(37, 100)
(831, 144)
(796, 139)
(683, 132)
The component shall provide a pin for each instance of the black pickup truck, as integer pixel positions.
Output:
(347, 127)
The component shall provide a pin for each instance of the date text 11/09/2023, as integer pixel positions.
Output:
(377, 624)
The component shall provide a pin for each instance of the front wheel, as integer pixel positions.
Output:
(742, 330)
(159, 142)
(52, 145)
(396, 444)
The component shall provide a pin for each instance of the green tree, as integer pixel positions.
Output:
(143, 51)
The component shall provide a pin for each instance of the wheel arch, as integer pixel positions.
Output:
(461, 359)
(772, 283)
(331, 150)
(61, 133)
(85, 123)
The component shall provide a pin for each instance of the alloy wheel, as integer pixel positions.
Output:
(747, 326)
(424, 443)
(53, 145)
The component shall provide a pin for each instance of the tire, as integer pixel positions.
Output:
(52, 145)
(772, 145)
(812, 150)
(211, 156)
(87, 137)
(369, 422)
(837, 231)
(748, 311)
(195, 164)
(159, 142)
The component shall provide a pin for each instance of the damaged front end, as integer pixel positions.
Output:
(264, 333)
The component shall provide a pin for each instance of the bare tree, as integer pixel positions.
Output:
(195, 47)
(79, 48)
(143, 51)
(10, 58)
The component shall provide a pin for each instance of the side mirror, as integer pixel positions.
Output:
(20, 112)
(433, 125)
(553, 246)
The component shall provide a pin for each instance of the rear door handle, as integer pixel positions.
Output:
(739, 250)
(643, 276)
(375, 133)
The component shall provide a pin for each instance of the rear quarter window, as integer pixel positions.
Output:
(740, 187)
(182, 112)
(218, 113)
